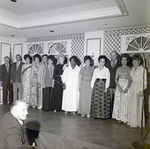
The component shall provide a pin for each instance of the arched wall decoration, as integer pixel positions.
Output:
(59, 47)
(135, 44)
(36, 49)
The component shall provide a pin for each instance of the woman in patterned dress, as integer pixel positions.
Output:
(85, 77)
(35, 92)
(122, 94)
(100, 102)
(26, 79)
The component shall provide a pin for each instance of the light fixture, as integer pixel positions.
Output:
(52, 31)
(12, 35)
(13, 0)
(106, 24)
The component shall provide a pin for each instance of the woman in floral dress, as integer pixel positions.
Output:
(26, 78)
(122, 94)
(35, 91)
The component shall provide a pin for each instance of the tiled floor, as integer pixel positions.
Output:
(106, 133)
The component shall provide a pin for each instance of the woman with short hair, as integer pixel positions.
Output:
(139, 84)
(100, 104)
(56, 103)
(48, 83)
(35, 92)
(70, 79)
(26, 78)
(85, 77)
(122, 94)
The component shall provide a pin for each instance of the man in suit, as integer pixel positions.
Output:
(112, 66)
(5, 73)
(16, 77)
(12, 129)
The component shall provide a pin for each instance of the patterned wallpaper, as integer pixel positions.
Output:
(77, 44)
(112, 39)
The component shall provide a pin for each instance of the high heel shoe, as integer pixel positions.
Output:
(66, 112)
(82, 115)
(73, 113)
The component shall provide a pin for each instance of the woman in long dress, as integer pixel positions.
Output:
(70, 78)
(122, 95)
(26, 79)
(48, 83)
(85, 78)
(100, 102)
(139, 84)
(57, 93)
(35, 92)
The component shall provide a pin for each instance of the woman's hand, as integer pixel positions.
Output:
(105, 90)
(120, 89)
(141, 94)
(64, 86)
(125, 90)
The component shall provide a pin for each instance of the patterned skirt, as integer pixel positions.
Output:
(100, 102)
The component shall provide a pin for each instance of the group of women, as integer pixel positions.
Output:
(54, 85)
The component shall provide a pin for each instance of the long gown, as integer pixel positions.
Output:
(139, 83)
(35, 92)
(70, 77)
(57, 93)
(26, 83)
(85, 90)
(100, 101)
(121, 101)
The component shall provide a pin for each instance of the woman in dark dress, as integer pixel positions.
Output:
(48, 82)
(58, 85)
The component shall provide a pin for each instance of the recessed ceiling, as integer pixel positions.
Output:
(36, 18)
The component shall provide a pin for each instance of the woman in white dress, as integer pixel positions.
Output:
(139, 84)
(70, 80)
(122, 95)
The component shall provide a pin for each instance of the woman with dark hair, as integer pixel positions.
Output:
(48, 83)
(70, 78)
(35, 93)
(100, 104)
(42, 65)
(58, 85)
(139, 84)
(122, 95)
(85, 77)
(26, 78)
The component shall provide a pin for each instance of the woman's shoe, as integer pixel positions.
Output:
(73, 113)
(88, 116)
(40, 107)
(82, 115)
(55, 111)
(33, 106)
(66, 112)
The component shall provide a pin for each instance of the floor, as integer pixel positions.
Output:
(107, 133)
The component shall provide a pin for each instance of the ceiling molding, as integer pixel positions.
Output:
(74, 17)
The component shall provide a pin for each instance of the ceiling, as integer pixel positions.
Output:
(26, 18)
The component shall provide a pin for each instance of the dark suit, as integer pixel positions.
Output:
(16, 80)
(12, 134)
(112, 85)
(16, 73)
(7, 86)
(113, 73)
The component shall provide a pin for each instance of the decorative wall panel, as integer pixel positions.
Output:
(77, 42)
(112, 39)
